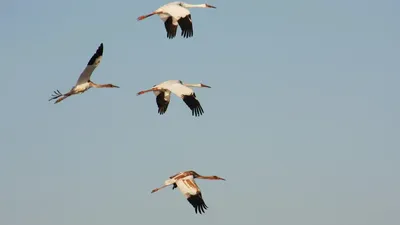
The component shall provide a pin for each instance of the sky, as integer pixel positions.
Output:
(301, 120)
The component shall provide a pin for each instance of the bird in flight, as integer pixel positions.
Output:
(84, 83)
(185, 182)
(174, 14)
(163, 95)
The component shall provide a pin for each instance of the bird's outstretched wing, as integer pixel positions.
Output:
(188, 96)
(194, 104)
(171, 25)
(186, 26)
(162, 99)
(91, 66)
(198, 203)
(192, 192)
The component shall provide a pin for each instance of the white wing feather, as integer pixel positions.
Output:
(169, 181)
(172, 179)
(91, 65)
(187, 186)
(87, 72)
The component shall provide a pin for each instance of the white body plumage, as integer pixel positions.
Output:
(187, 186)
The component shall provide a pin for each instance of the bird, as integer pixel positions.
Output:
(187, 185)
(174, 14)
(163, 95)
(84, 83)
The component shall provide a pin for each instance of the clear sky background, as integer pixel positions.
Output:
(302, 118)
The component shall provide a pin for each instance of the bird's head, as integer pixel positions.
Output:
(203, 85)
(113, 86)
(210, 6)
(217, 178)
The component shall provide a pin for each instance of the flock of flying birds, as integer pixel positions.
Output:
(172, 14)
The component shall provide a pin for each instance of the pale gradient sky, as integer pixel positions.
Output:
(302, 117)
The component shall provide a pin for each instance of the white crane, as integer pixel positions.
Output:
(84, 83)
(174, 14)
(186, 184)
(163, 95)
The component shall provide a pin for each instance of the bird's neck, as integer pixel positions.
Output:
(195, 6)
(206, 177)
(192, 85)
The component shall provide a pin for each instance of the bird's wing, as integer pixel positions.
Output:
(169, 181)
(192, 192)
(188, 96)
(92, 64)
(162, 99)
(172, 179)
(174, 175)
(171, 25)
(186, 26)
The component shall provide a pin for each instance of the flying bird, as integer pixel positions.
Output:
(174, 14)
(84, 83)
(163, 95)
(187, 185)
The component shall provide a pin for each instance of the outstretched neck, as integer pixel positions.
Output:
(192, 85)
(102, 85)
(206, 177)
(195, 6)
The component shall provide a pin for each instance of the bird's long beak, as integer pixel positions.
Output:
(221, 178)
(115, 86)
(210, 6)
(203, 85)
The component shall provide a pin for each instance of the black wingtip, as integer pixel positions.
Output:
(162, 104)
(198, 203)
(186, 26)
(99, 51)
(96, 55)
(193, 104)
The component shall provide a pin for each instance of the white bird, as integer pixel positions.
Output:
(174, 14)
(163, 95)
(84, 83)
(187, 185)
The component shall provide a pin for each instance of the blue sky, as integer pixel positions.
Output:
(302, 117)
